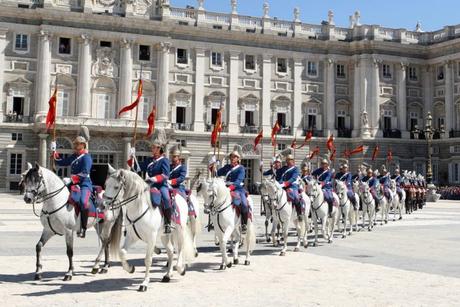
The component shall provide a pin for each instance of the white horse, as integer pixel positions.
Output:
(319, 210)
(194, 222)
(60, 218)
(397, 203)
(346, 211)
(284, 214)
(218, 200)
(125, 189)
(384, 205)
(267, 203)
(368, 206)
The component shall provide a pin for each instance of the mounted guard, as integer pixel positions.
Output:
(157, 170)
(80, 183)
(324, 176)
(290, 181)
(345, 176)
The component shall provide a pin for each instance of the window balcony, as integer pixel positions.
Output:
(249, 129)
(420, 136)
(316, 133)
(454, 133)
(210, 128)
(392, 133)
(285, 131)
(344, 133)
(182, 126)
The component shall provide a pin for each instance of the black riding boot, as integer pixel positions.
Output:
(84, 223)
(244, 222)
(167, 213)
(329, 208)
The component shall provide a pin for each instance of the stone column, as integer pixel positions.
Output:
(126, 76)
(330, 96)
(163, 84)
(84, 77)
(266, 93)
(3, 43)
(43, 74)
(233, 93)
(297, 110)
(374, 99)
(198, 124)
(427, 89)
(357, 108)
(401, 78)
(449, 96)
(42, 149)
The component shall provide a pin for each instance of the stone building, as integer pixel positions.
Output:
(261, 69)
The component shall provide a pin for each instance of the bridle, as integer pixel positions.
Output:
(217, 209)
(39, 197)
(341, 198)
(315, 196)
(114, 204)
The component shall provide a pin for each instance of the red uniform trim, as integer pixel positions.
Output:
(159, 178)
(75, 179)
(174, 181)
(232, 187)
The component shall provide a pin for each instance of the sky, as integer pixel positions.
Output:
(433, 15)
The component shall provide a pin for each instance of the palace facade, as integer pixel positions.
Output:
(192, 61)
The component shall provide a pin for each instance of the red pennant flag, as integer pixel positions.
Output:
(151, 121)
(314, 153)
(51, 116)
(217, 128)
(330, 143)
(346, 154)
(375, 152)
(294, 143)
(333, 153)
(358, 149)
(307, 139)
(130, 162)
(258, 139)
(389, 155)
(136, 102)
(276, 128)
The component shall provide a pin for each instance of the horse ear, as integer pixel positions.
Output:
(110, 169)
(29, 166)
(37, 166)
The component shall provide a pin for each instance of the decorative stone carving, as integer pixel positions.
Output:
(106, 2)
(141, 7)
(104, 65)
(365, 133)
(418, 27)
(200, 5)
(357, 18)
(296, 14)
(266, 9)
(164, 46)
(233, 3)
(64, 69)
(330, 18)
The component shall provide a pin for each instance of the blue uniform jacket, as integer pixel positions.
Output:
(289, 176)
(345, 177)
(159, 169)
(385, 181)
(323, 176)
(177, 176)
(80, 165)
(234, 176)
(277, 174)
(398, 179)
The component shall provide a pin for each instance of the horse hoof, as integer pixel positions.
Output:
(296, 249)
(142, 288)
(344, 236)
(222, 267)
(196, 254)
(329, 241)
(230, 250)
(67, 277)
(305, 245)
(217, 243)
(269, 240)
(166, 279)
(157, 250)
(104, 271)
(247, 262)
(283, 254)
(314, 244)
(167, 264)
(132, 269)
(229, 265)
(369, 229)
(400, 218)
(386, 222)
(38, 277)
(94, 270)
(236, 261)
(394, 220)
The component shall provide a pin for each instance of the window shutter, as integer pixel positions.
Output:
(242, 116)
(188, 114)
(319, 122)
(174, 114)
(209, 115)
(451, 149)
(26, 106)
(256, 118)
(9, 104)
(347, 122)
(394, 122)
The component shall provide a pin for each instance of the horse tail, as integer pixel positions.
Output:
(198, 211)
(188, 250)
(250, 241)
(115, 236)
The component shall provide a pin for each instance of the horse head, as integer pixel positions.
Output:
(114, 186)
(32, 183)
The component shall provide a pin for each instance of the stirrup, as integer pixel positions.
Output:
(244, 228)
(167, 229)
(82, 233)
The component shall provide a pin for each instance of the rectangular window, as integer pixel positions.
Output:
(65, 45)
(341, 71)
(312, 69)
(249, 118)
(413, 73)
(182, 57)
(440, 73)
(16, 136)
(180, 115)
(216, 59)
(214, 115)
(386, 71)
(249, 62)
(106, 44)
(440, 122)
(281, 65)
(387, 123)
(18, 106)
(281, 146)
(281, 117)
(311, 121)
(144, 53)
(146, 109)
(15, 164)
(63, 103)
(21, 42)
(103, 106)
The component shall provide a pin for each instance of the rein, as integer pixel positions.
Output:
(39, 198)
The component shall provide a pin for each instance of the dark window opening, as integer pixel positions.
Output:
(281, 117)
(282, 65)
(250, 62)
(214, 116)
(216, 27)
(340, 122)
(64, 45)
(180, 115)
(144, 53)
(182, 56)
(249, 118)
(387, 123)
(311, 122)
(413, 123)
(16, 136)
(105, 44)
(18, 106)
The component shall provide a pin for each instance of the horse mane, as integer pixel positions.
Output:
(134, 183)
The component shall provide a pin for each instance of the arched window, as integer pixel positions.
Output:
(415, 116)
(249, 114)
(181, 110)
(388, 118)
(104, 97)
(343, 119)
(312, 116)
(439, 114)
(65, 105)
(281, 112)
(214, 102)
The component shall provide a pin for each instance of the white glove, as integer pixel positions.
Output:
(150, 179)
(217, 163)
(261, 164)
(132, 151)
(169, 182)
(53, 146)
(212, 160)
(67, 181)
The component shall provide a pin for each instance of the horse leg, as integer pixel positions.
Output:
(148, 263)
(285, 238)
(168, 244)
(69, 249)
(46, 235)
(129, 241)
(224, 237)
(194, 231)
(315, 222)
(274, 229)
(179, 267)
(235, 246)
(267, 237)
(331, 229)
